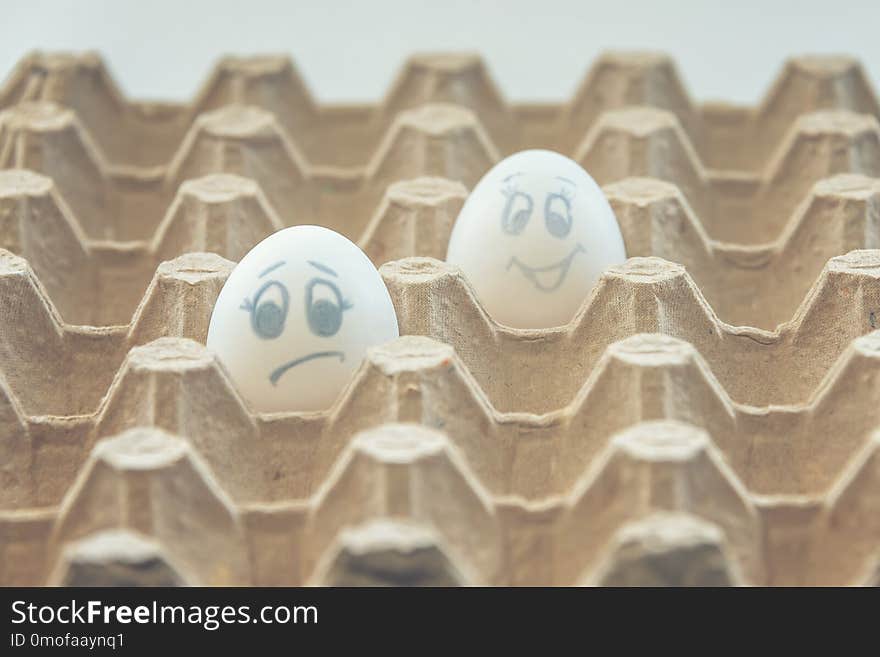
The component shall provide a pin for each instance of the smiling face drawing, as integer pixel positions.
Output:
(286, 325)
(533, 238)
(557, 210)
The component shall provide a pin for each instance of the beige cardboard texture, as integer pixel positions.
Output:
(708, 417)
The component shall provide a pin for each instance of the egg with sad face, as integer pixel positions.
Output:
(533, 238)
(296, 317)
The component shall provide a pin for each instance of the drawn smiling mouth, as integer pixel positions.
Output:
(279, 371)
(549, 278)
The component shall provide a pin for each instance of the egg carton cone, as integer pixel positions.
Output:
(707, 418)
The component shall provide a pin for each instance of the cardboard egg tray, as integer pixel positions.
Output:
(709, 416)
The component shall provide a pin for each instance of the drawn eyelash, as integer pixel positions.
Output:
(566, 194)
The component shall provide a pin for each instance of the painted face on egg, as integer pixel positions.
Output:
(533, 238)
(556, 215)
(296, 316)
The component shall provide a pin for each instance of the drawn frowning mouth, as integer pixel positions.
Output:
(279, 371)
(549, 278)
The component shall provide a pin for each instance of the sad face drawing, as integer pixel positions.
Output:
(296, 317)
(270, 306)
(533, 238)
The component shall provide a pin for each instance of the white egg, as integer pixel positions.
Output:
(296, 317)
(533, 238)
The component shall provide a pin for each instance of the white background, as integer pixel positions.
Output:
(536, 49)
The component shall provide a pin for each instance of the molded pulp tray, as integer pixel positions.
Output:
(710, 416)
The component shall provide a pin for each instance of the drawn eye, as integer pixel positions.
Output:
(268, 309)
(517, 211)
(324, 307)
(557, 215)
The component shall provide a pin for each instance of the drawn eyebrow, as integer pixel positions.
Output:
(323, 268)
(566, 180)
(271, 268)
(513, 175)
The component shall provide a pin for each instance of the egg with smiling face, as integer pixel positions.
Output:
(296, 317)
(533, 238)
